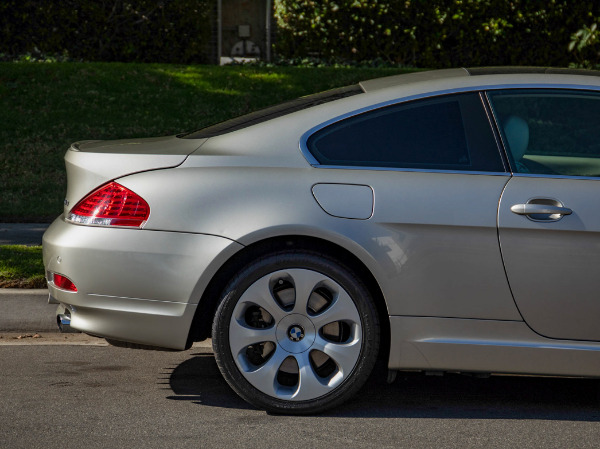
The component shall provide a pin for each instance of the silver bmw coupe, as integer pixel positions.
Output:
(443, 221)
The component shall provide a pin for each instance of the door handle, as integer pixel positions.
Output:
(546, 209)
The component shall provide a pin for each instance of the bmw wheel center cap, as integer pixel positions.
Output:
(295, 333)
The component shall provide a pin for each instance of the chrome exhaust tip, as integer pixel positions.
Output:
(63, 320)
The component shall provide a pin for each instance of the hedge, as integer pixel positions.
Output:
(438, 33)
(107, 30)
(421, 33)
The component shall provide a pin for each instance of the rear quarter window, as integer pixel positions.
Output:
(443, 133)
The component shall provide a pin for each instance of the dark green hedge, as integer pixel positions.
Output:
(422, 33)
(436, 33)
(108, 30)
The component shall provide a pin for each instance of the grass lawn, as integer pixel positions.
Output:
(21, 266)
(45, 107)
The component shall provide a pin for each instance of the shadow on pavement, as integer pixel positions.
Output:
(415, 395)
(198, 379)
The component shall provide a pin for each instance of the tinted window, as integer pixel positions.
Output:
(550, 131)
(450, 132)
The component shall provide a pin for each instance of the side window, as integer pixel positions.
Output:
(444, 133)
(550, 131)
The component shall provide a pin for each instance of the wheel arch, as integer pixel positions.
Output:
(202, 322)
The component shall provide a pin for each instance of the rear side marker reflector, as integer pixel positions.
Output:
(64, 283)
(111, 205)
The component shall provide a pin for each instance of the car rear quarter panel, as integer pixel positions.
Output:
(431, 243)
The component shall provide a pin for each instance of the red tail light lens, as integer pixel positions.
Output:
(64, 282)
(111, 205)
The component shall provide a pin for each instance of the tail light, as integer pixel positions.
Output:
(63, 282)
(111, 205)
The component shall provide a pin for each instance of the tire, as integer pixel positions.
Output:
(296, 333)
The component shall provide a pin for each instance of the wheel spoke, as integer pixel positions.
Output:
(305, 282)
(310, 385)
(264, 378)
(342, 309)
(345, 355)
(241, 336)
(259, 294)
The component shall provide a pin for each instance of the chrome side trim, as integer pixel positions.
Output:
(483, 87)
(136, 299)
(412, 170)
(512, 344)
(535, 175)
(304, 148)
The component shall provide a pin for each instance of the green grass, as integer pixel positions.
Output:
(21, 266)
(45, 107)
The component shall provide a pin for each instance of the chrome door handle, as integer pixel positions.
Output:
(529, 209)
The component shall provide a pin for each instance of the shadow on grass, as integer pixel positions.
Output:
(415, 395)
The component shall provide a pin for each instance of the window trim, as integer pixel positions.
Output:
(551, 176)
(481, 89)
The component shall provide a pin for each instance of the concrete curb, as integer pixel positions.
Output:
(23, 291)
(26, 310)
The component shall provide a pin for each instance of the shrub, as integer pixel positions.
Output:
(433, 33)
(115, 30)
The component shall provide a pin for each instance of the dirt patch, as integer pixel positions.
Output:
(23, 283)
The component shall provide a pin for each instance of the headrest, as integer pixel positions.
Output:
(516, 131)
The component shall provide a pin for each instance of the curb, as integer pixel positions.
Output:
(23, 291)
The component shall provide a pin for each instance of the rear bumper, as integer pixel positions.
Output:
(133, 285)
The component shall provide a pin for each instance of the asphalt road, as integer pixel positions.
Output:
(22, 233)
(63, 396)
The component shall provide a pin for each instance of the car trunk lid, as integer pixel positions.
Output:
(92, 163)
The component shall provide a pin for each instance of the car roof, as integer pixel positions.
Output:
(447, 74)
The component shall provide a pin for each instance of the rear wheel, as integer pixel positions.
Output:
(296, 333)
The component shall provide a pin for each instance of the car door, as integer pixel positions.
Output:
(549, 213)
(437, 175)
